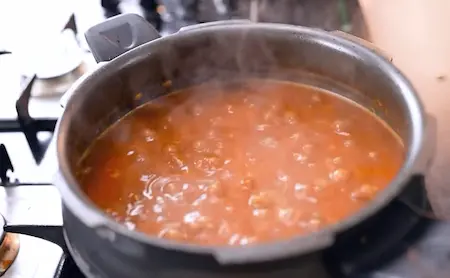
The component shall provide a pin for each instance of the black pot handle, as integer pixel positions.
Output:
(122, 33)
(119, 34)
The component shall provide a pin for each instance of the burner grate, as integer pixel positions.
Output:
(30, 126)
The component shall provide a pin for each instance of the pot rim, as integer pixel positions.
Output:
(84, 209)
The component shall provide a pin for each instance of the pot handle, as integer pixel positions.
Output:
(119, 34)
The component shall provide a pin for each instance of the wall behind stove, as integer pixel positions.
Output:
(415, 33)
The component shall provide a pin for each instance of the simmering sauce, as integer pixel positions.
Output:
(240, 163)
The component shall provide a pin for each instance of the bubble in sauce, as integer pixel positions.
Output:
(339, 175)
(365, 192)
(300, 157)
(172, 233)
(260, 200)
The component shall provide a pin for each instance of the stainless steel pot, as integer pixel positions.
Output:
(138, 60)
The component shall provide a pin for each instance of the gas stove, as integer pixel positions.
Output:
(405, 240)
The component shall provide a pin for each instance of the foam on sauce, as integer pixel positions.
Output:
(240, 163)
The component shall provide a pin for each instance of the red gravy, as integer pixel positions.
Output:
(240, 163)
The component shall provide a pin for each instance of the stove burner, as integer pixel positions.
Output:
(9, 248)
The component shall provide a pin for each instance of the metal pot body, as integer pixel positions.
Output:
(222, 51)
(100, 255)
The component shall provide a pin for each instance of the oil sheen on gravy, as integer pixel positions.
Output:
(240, 163)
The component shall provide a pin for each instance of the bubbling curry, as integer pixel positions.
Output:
(240, 163)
